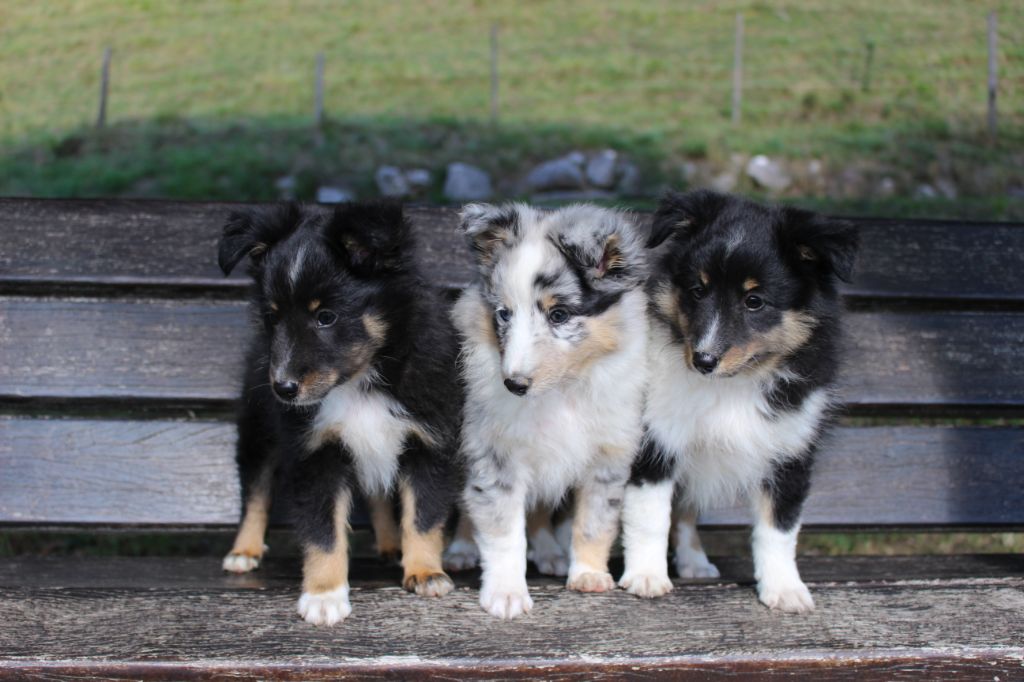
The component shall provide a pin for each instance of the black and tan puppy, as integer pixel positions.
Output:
(743, 356)
(350, 386)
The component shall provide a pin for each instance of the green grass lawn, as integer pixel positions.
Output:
(213, 99)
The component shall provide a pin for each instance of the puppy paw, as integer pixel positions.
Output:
(789, 596)
(647, 585)
(696, 568)
(461, 555)
(428, 584)
(550, 563)
(240, 563)
(591, 582)
(325, 608)
(506, 603)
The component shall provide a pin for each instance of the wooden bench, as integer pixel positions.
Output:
(120, 346)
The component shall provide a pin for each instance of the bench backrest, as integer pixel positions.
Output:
(121, 344)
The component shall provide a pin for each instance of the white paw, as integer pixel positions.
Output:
(591, 582)
(325, 608)
(788, 596)
(461, 555)
(506, 603)
(550, 562)
(240, 563)
(647, 585)
(696, 568)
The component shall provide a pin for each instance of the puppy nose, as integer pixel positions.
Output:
(518, 384)
(286, 390)
(705, 362)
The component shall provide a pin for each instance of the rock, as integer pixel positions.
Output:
(815, 168)
(925, 191)
(886, 187)
(285, 186)
(725, 181)
(562, 173)
(419, 179)
(464, 182)
(947, 188)
(391, 182)
(690, 171)
(628, 178)
(768, 173)
(334, 195)
(600, 169)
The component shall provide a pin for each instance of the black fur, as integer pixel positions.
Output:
(357, 261)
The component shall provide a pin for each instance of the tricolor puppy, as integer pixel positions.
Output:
(553, 343)
(351, 385)
(744, 351)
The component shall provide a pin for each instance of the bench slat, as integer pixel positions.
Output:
(192, 351)
(172, 244)
(161, 472)
(877, 626)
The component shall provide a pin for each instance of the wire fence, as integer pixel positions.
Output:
(660, 66)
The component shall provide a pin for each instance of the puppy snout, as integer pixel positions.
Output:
(705, 363)
(286, 390)
(518, 384)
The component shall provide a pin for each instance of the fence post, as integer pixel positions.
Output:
(993, 75)
(494, 74)
(737, 71)
(101, 116)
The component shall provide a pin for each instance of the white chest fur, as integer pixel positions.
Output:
(721, 431)
(372, 425)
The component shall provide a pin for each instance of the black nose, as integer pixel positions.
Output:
(705, 362)
(286, 390)
(517, 385)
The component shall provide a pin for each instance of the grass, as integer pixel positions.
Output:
(213, 99)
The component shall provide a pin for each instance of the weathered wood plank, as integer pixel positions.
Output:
(192, 351)
(172, 244)
(913, 624)
(163, 472)
(277, 571)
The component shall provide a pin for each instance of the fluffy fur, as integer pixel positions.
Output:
(554, 343)
(743, 356)
(351, 386)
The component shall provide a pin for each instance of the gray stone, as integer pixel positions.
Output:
(628, 178)
(947, 188)
(768, 173)
(464, 182)
(285, 186)
(601, 168)
(562, 173)
(391, 182)
(925, 191)
(886, 187)
(419, 179)
(334, 195)
(690, 172)
(725, 181)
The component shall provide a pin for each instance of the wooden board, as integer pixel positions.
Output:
(181, 473)
(192, 351)
(171, 245)
(872, 629)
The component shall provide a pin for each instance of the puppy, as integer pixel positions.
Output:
(351, 385)
(553, 347)
(744, 351)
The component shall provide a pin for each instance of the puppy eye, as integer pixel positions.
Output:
(753, 302)
(558, 316)
(504, 314)
(698, 292)
(325, 318)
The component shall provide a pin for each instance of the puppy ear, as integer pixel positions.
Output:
(603, 244)
(681, 215)
(824, 244)
(252, 231)
(488, 227)
(373, 237)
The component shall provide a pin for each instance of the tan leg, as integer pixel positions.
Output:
(595, 526)
(324, 598)
(545, 552)
(249, 547)
(421, 552)
(385, 529)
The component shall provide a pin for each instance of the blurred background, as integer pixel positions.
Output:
(861, 107)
